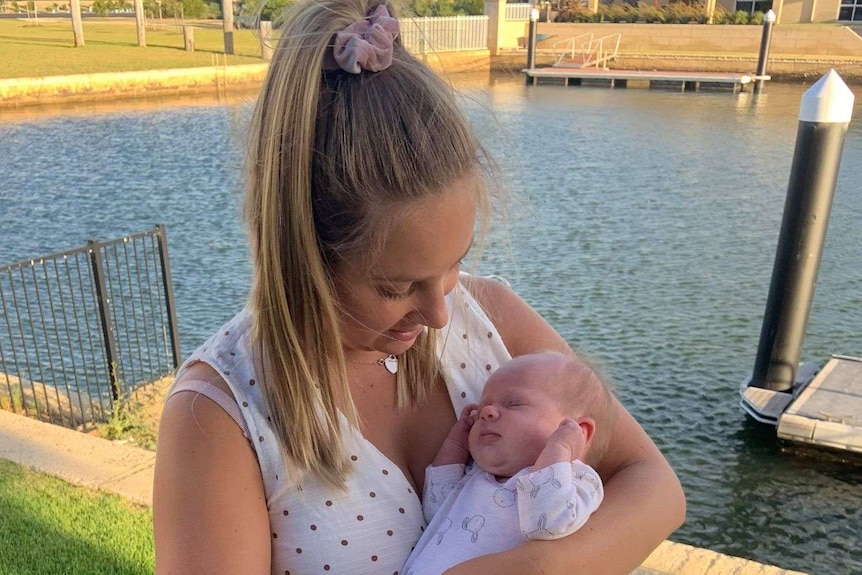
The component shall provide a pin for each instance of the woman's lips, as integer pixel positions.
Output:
(402, 335)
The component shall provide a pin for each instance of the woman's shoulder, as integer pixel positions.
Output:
(522, 328)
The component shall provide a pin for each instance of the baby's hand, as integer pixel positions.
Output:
(570, 435)
(461, 429)
(456, 448)
(567, 443)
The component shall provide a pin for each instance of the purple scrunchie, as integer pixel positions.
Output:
(367, 44)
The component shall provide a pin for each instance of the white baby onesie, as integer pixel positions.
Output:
(471, 513)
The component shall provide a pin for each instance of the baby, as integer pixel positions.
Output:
(543, 420)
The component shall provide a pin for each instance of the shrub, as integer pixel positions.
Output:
(127, 423)
(674, 13)
(756, 18)
(574, 12)
(618, 13)
(679, 13)
(650, 14)
(445, 7)
(721, 16)
(740, 17)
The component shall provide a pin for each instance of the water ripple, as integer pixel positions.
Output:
(643, 226)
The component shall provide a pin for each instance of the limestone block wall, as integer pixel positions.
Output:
(458, 62)
(80, 87)
(221, 81)
(503, 34)
(806, 40)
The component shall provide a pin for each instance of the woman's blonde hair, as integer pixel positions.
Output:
(334, 158)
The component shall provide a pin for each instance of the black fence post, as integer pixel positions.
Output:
(168, 286)
(763, 56)
(105, 316)
(531, 40)
(824, 115)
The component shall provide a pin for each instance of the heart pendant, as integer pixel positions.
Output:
(391, 364)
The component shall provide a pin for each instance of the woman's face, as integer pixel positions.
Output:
(384, 309)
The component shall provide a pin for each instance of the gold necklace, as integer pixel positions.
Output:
(390, 362)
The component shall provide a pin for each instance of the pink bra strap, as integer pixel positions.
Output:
(216, 395)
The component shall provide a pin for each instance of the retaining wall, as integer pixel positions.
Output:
(797, 51)
(111, 86)
(219, 80)
(803, 39)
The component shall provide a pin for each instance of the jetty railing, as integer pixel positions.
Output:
(572, 49)
(84, 329)
(604, 50)
(586, 51)
(446, 34)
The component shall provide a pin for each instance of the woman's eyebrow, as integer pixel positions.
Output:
(405, 279)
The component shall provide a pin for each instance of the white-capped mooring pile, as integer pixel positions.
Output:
(808, 404)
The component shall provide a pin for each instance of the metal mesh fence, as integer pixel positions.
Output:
(85, 328)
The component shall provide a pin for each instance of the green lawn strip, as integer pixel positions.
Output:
(48, 526)
(47, 48)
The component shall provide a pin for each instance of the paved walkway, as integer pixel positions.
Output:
(78, 458)
(97, 463)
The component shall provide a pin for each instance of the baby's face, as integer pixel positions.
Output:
(517, 414)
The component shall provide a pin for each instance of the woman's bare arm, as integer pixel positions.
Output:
(209, 508)
(644, 502)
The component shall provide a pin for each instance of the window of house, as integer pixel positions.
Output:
(850, 10)
(763, 5)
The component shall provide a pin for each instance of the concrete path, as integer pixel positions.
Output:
(126, 470)
(78, 458)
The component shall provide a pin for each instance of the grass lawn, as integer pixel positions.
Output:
(111, 45)
(48, 526)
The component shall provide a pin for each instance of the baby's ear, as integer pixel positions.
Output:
(588, 426)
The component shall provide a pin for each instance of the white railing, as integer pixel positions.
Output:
(571, 48)
(518, 11)
(448, 34)
(606, 49)
(584, 51)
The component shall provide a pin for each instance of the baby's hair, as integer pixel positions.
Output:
(334, 159)
(588, 392)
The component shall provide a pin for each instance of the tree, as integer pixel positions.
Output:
(446, 7)
(255, 11)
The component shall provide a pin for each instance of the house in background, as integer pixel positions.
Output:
(800, 11)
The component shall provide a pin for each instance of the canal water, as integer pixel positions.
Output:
(641, 224)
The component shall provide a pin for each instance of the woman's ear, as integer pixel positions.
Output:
(588, 426)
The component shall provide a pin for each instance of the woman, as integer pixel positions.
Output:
(295, 440)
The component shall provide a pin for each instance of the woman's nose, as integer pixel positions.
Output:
(432, 308)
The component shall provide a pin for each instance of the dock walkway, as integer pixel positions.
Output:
(683, 81)
(824, 409)
(828, 412)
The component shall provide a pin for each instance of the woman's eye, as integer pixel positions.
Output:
(390, 293)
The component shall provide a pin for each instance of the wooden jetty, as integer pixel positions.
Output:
(682, 81)
(825, 410)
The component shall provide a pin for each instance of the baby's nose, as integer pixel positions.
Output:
(489, 413)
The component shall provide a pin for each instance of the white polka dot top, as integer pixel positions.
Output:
(372, 526)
